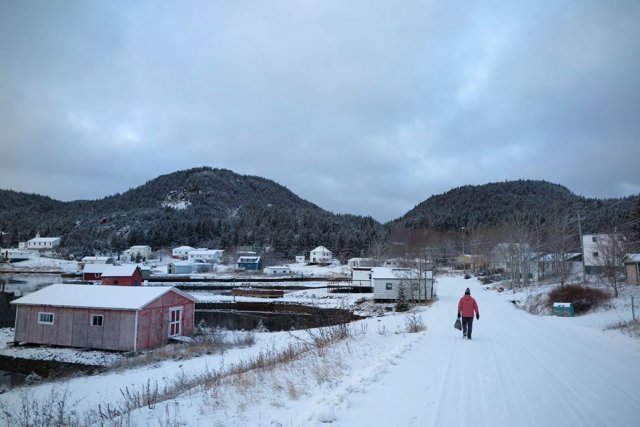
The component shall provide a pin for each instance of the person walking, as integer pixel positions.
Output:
(467, 306)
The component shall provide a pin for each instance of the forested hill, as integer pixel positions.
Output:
(217, 208)
(497, 203)
(207, 207)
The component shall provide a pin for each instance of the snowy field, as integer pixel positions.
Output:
(519, 369)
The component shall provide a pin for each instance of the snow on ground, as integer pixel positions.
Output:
(70, 355)
(519, 369)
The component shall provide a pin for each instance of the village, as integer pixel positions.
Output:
(85, 317)
(144, 300)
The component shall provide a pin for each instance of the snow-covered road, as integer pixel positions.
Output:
(518, 370)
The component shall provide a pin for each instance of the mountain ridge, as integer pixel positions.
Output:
(219, 208)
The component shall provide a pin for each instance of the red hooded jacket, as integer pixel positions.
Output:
(467, 306)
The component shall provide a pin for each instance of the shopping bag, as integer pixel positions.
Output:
(458, 325)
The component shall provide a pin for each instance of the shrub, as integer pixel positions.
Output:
(414, 324)
(583, 298)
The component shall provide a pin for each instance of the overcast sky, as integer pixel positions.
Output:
(362, 107)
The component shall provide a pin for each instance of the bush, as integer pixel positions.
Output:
(583, 298)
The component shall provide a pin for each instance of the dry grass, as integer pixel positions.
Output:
(631, 328)
(414, 324)
(244, 378)
(208, 341)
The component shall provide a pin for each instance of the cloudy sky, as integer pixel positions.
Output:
(363, 107)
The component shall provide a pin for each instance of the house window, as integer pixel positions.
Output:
(96, 320)
(115, 282)
(45, 318)
(596, 254)
(389, 286)
(594, 239)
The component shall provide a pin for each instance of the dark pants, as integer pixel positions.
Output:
(467, 326)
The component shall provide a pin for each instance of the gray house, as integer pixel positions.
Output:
(386, 283)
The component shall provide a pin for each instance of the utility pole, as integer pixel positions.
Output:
(464, 264)
(584, 276)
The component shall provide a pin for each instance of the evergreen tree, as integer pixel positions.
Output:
(402, 302)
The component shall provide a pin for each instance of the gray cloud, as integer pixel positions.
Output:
(360, 108)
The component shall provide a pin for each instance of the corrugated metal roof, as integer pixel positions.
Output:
(97, 296)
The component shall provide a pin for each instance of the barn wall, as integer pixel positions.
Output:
(153, 322)
(72, 327)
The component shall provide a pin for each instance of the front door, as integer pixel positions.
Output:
(175, 321)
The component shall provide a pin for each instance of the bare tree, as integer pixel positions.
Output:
(610, 253)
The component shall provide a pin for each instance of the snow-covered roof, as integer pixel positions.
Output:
(321, 249)
(183, 248)
(632, 258)
(96, 296)
(205, 251)
(125, 270)
(96, 258)
(398, 273)
(95, 268)
(45, 239)
(556, 257)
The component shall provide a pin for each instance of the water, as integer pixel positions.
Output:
(10, 379)
(22, 284)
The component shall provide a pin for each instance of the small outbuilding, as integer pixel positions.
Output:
(277, 269)
(122, 275)
(249, 263)
(632, 268)
(386, 283)
(104, 317)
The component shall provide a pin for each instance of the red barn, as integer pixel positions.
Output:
(93, 272)
(104, 317)
(122, 275)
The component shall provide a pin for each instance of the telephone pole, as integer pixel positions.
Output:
(584, 275)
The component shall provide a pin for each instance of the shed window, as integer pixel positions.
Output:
(596, 254)
(389, 286)
(96, 320)
(45, 318)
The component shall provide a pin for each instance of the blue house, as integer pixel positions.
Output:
(250, 263)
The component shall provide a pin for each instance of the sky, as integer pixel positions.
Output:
(360, 107)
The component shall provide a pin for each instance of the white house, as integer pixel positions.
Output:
(140, 251)
(361, 276)
(277, 269)
(43, 243)
(600, 250)
(386, 283)
(300, 259)
(205, 255)
(321, 255)
(181, 252)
